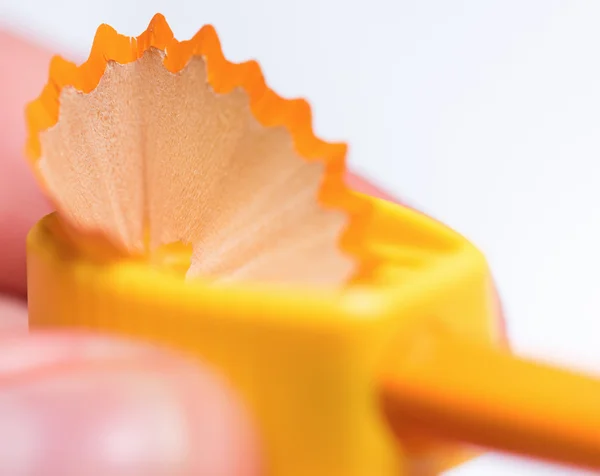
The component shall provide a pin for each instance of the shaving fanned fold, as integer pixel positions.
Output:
(153, 141)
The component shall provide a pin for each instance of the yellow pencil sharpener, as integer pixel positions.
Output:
(388, 379)
(406, 375)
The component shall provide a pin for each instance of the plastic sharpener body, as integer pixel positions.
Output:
(307, 362)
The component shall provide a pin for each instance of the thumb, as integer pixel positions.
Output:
(76, 404)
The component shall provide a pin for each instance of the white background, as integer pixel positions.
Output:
(485, 114)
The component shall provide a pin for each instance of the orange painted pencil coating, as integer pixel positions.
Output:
(463, 392)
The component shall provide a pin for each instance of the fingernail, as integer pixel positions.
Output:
(128, 419)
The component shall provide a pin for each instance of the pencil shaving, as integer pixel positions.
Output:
(166, 149)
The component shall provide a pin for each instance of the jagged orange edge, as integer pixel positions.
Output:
(268, 108)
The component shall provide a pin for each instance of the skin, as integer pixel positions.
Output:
(66, 398)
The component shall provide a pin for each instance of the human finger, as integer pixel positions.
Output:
(81, 404)
(24, 71)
